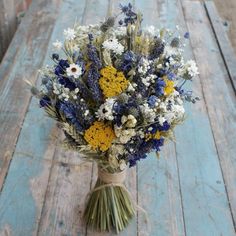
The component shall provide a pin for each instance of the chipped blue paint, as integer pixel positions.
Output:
(17, 205)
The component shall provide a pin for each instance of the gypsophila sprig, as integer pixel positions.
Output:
(117, 90)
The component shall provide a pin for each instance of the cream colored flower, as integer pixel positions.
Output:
(122, 164)
(74, 70)
(129, 121)
(124, 135)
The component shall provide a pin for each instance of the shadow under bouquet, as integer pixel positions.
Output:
(117, 92)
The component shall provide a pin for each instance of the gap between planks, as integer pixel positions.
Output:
(226, 49)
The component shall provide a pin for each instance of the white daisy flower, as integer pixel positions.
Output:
(69, 33)
(57, 44)
(74, 70)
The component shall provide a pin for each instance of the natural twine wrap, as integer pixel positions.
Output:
(112, 178)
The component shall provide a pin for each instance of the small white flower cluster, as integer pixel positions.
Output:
(152, 30)
(148, 112)
(171, 51)
(116, 150)
(127, 130)
(144, 66)
(83, 28)
(123, 134)
(191, 68)
(131, 87)
(119, 31)
(64, 93)
(148, 80)
(69, 34)
(171, 109)
(113, 45)
(105, 110)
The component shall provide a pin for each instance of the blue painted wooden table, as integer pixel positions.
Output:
(190, 190)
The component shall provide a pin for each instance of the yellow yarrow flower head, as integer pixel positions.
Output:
(112, 82)
(99, 135)
(156, 135)
(169, 88)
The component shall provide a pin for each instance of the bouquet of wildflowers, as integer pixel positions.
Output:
(117, 92)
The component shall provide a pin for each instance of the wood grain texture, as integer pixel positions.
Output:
(223, 41)
(158, 180)
(22, 61)
(24, 190)
(66, 195)
(205, 201)
(227, 9)
(22, 197)
(8, 23)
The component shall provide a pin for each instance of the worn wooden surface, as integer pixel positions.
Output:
(9, 18)
(190, 190)
(224, 43)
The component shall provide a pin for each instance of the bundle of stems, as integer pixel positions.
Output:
(109, 208)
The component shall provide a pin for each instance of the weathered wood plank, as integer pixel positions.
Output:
(22, 60)
(66, 194)
(22, 197)
(158, 180)
(9, 10)
(8, 24)
(205, 203)
(223, 41)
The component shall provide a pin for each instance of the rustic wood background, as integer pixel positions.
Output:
(10, 15)
(190, 190)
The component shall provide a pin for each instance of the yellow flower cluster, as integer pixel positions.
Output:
(99, 135)
(149, 136)
(169, 88)
(112, 82)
